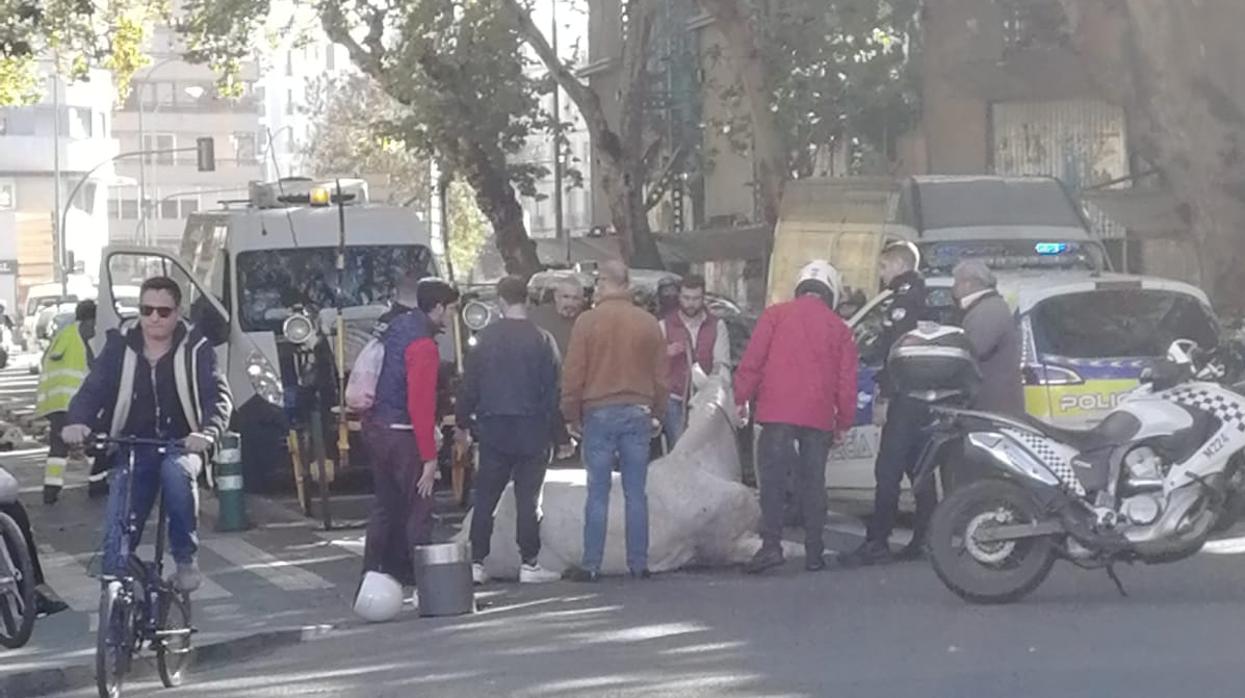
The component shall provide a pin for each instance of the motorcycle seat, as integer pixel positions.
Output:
(1117, 429)
(9, 488)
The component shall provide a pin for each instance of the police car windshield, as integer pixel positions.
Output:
(1130, 323)
(939, 258)
(271, 281)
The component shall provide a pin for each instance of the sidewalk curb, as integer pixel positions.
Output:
(42, 682)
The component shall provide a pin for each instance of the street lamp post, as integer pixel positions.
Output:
(193, 91)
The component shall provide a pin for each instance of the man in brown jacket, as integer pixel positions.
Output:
(613, 384)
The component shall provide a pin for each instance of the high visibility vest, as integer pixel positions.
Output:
(64, 367)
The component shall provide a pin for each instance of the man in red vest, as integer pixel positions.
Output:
(697, 344)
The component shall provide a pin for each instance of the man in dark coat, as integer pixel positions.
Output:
(903, 435)
(991, 328)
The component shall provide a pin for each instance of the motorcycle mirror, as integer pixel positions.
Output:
(1181, 351)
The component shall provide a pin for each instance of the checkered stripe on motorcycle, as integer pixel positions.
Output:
(1225, 409)
(1059, 464)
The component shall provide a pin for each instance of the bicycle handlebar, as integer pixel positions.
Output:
(105, 440)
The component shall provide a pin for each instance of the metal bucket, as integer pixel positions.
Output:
(443, 578)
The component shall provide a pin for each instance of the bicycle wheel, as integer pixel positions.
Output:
(173, 638)
(17, 586)
(113, 641)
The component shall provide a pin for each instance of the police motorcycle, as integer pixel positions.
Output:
(1150, 483)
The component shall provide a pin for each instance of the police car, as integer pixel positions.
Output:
(1087, 338)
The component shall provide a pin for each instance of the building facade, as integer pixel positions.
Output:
(72, 122)
(171, 104)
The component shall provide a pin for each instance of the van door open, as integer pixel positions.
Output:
(122, 268)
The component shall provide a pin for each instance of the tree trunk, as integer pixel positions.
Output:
(1175, 67)
(620, 153)
(496, 198)
(770, 155)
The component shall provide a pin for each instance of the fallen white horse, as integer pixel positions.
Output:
(699, 511)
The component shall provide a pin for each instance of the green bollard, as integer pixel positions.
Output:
(229, 495)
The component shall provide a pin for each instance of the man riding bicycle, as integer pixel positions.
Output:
(157, 381)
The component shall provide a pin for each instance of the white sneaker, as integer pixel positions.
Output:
(535, 574)
(478, 575)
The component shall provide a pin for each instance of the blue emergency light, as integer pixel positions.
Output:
(1051, 248)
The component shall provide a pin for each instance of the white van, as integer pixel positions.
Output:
(250, 266)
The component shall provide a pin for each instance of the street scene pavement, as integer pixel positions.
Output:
(274, 620)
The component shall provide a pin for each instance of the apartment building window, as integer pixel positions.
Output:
(189, 206)
(261, 95)
(163, 142)
(129, 209)
(168, 209)
(77, 122)
(330, 57)
(289, 64)
(8, 194)
(114, 208)
(289, 102)
(244, 146)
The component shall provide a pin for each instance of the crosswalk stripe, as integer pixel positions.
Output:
(207, 591)
(281, 573)
(69, 579)
(350, 543)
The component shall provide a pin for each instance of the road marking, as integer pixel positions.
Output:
(70, 579)
(285, 575)
(351, 543)
(208, 590)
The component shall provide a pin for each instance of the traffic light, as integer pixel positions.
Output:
(205, 152)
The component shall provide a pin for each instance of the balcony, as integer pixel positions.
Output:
(35, 153)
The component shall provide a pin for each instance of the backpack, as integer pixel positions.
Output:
(364, 375)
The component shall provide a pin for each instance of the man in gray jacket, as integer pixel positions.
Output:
(991, 328)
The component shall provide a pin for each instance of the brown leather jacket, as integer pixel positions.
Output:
(617, 356)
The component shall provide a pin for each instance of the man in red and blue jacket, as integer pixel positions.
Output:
(401, 432)
(800, 366)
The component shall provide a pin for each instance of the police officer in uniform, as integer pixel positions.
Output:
(903, 433)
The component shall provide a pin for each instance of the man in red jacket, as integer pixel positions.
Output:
(800, 366)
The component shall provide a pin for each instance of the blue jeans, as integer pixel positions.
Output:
(175, 473)
(673, 424)
(622, 432)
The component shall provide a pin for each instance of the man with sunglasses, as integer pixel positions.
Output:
(156, 381)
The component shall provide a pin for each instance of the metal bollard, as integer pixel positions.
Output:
(443, 576)
(231, 515)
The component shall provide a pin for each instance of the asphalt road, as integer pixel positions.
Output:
(883, 632)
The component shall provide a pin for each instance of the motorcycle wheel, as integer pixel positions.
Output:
(988, 572)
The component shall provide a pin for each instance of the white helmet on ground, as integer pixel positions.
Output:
(379, 598)
(823, 272)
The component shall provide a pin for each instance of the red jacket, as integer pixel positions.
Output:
(801, 367)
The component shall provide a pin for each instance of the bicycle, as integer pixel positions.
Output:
(17, 575)
(141, 607)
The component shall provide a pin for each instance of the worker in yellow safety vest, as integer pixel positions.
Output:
(63, 367)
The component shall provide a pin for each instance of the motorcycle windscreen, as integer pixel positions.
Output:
(1092, 347)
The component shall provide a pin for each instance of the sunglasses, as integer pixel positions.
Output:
(162, 311)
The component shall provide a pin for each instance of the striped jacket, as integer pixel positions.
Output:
(183, 393)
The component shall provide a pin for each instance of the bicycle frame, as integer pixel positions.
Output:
(151, 581)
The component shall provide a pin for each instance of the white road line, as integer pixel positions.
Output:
(69, 579)
(285, 575)
(207, 591)
(350, 542)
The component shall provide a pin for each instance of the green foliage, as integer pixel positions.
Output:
(78, 35)
(841, 68)
(469, 229)
(354, 135)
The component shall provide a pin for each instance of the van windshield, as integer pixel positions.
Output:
(270, 282)
(1120, 323)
